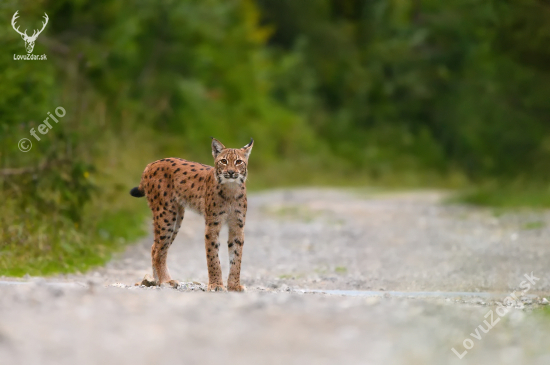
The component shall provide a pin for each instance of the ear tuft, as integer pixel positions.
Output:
(217, 147)
(248, 147)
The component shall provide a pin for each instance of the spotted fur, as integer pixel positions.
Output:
(172, 185)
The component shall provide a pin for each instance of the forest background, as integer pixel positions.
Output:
(377, 93)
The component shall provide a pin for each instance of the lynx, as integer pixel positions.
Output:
(218, 193)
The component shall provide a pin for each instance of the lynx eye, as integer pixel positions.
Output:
(223, 161)
(238, 162)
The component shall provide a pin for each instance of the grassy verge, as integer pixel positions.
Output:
(63, 247)
(48, 242)
(506, 196)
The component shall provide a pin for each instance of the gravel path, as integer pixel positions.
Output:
(297, 241)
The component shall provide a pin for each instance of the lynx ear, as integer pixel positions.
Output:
(217, 147)
(248, 148)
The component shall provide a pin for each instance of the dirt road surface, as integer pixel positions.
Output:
(420, 277)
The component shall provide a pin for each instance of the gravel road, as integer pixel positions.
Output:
(421, 277)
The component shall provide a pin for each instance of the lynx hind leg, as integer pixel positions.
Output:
(167, 223)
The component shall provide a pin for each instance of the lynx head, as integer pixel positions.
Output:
(230, 164)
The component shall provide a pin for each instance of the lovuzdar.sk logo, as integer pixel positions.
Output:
(29, 40)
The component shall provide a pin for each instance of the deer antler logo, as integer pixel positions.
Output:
(29, 41)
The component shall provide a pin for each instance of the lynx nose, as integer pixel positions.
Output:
(231, 173)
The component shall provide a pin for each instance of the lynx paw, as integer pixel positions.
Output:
(239, 288)
(216, 287)
(174, 283)
(171, 284)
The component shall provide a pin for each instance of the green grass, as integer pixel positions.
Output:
(292, 212)
(340, 269)
(533, 225)
(286, 276)
(299, 173)
(507, 197)
(67, 248)
(290, 276)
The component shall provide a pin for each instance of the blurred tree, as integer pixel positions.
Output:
(459, 83)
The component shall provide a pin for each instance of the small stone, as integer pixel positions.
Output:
(544, 301)
(118, 285)
(148, 280)
(372, 300)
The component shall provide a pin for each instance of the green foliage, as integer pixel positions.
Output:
(424, 84)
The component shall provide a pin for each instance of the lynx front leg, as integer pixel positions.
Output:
(235, 247)
(212, 245)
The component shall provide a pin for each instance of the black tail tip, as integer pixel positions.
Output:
(137, 193)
